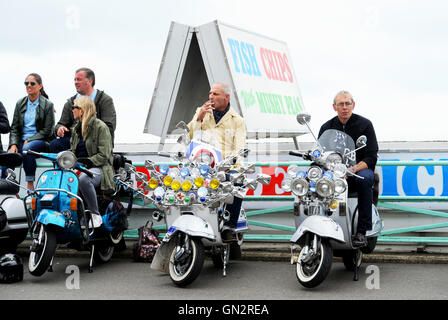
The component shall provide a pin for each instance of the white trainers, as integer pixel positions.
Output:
(97, 220)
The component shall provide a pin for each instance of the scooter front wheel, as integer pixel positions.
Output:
(42, 254)
(312, 272)
(184, 268)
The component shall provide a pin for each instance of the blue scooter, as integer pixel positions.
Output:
(56, 215)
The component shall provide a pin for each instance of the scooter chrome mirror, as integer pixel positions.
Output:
(227, 187)
(236, 177)
(223, 166)
(184, 139)
(264, 179)
(252, 184)
(150, 165)
(182, 125)
(248, 168)
(303, 118)
(141, 176)
(361, 141)
(221, 176)
(243, 153)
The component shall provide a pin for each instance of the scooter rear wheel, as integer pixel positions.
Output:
(103, 252)
(41, 257)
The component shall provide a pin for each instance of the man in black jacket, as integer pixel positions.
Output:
(4, 128)
(105, 110)
(355, 125)
(4, 123)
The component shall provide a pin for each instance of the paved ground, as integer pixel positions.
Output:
(122, 278)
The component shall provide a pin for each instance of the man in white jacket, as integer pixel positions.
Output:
(228, 128)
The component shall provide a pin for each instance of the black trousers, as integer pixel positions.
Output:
(234, 208)
(364, 188)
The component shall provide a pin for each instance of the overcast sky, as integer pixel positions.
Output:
(392, 55)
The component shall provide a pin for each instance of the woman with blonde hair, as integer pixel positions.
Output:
(92, 144)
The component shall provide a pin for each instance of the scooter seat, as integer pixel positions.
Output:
(10, 160)
(7, 187)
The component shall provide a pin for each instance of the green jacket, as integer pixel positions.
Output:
(99, 149)
(105, 111)
(44, 121)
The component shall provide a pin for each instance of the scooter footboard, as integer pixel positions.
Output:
(322, 226)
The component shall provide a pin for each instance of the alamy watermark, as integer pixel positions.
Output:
(73, 17)
(72, 281)
(373, 280)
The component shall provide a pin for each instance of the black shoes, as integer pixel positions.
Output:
(359, 240)
(228, 236)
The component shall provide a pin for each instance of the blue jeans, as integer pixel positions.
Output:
(364, 188)
(29, 161)
(59, 144)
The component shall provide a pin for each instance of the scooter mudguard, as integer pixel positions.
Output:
(160, 261)
(377, 224)
(191, 225)
(48, 216)
(324, 227)
(14, 208)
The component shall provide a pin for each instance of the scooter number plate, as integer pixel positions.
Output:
(171, 230)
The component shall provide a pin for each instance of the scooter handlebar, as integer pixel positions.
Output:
(304, 155)
(31, 152)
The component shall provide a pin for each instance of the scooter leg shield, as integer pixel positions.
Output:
(323, 226)
(47, 216)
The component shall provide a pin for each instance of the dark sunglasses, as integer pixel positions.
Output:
(76, 107)
(32, 83)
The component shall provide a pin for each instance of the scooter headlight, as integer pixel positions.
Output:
(176, 185)
(314, 173)
(66, 159)
(159, 193)
(202, 194)
(334, 159)
(214, 184)
(292, 170)
(286, 184)
(204, 169)
(340, 186)
(325, 187)
(299, 187)
(339, 170)
(184, 172)
(164, 168)
(167, 181)
(153, 183)
(186, 185)
(199, 182)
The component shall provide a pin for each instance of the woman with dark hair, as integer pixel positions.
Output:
(32, 125)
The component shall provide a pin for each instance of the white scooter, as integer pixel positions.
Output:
(326, 215)
(13, 221)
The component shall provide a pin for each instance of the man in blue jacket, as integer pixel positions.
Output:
(355, 125)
